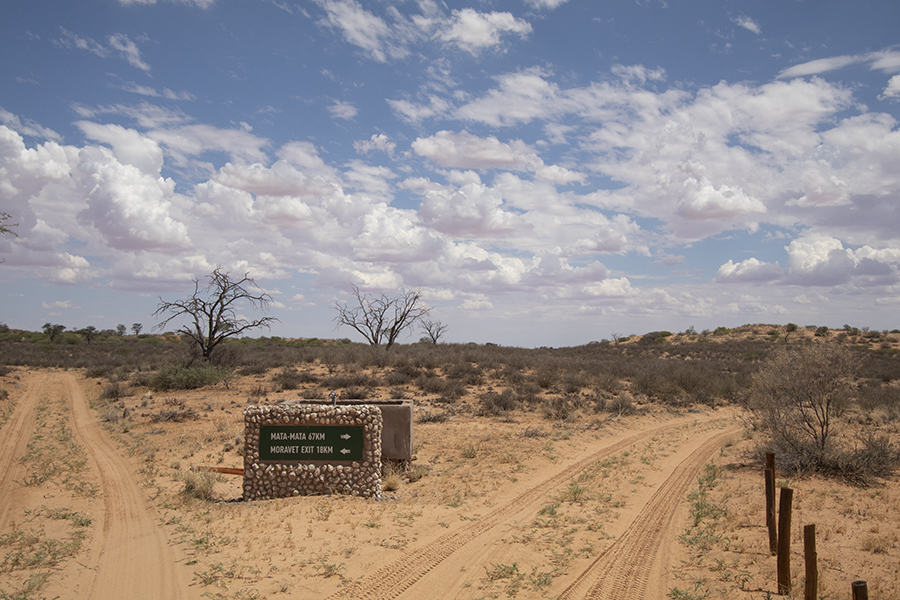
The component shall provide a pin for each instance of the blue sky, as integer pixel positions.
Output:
(547, 172)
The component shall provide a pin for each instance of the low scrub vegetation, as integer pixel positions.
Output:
(848, 430)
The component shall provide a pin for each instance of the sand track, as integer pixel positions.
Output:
(132, 556)
(16, 433)
(411, 575)
(127, 554)
(625, 569)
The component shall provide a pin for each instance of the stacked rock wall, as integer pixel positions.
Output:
(280, 479)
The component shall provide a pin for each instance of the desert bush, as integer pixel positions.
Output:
(557, 408)
(446, 388)
(312, 393)
(290, 379)
(186, 378)
(800, 392)
(879, 397)
(174, 415)
(141, 379)
(799, 396)
(654, 337)
(430, 417)
(493, 403)
(198, 484)
(572, 382)
(114, 391)
(349, 380)
(546, 376)
(465, 372)
(621, 405)
(391, 476)
(356, 393)
(608, 382)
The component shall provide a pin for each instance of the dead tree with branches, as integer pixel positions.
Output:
(213, 310)
(380, 319)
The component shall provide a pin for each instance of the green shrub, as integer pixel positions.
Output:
(186, 378)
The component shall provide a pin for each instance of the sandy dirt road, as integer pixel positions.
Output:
(434, 569)
(16, 434)
(126, 554)
(132, 555)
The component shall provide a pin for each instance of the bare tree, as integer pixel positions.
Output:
(213, 310)
(433, 329)
(6, 228)
(381, 319)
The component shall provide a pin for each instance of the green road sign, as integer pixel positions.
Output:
(311, 442)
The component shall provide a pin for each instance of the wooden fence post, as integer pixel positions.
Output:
(860, 590)
(812, 569)
(784, 540)
(770, 511)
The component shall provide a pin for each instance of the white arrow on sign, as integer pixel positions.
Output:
(346, 436)
(345, 451)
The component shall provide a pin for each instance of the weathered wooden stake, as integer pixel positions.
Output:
(812, 569)
(770, 460)
(860, 590)
(784, 540)
(770, 511)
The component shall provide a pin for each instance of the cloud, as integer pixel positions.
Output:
(473, 31)
(893, 88)
(363, 29)
(197, 3)
(57, 304)
(343, 110)
(391, 37)
(548, 4)
(700, 199)
(195, 140)
(886, 61)
(166, 93)
(818, 260)
(27, 126)
(118, 44)
(378, 141)
(472, 210)
(145, 115)
(128, 50)
(129, 146)
(749, 271)
(466, 151)
(415, 112)
(130, 209)
(748, 24)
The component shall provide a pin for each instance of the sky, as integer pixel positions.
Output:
(546, 172)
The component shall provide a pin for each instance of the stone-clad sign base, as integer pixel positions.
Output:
(309, 443)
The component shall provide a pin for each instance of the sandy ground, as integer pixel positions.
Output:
(499, 507)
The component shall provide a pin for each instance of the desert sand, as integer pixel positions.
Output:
(493, 507)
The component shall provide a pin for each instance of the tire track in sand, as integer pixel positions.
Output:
(392, 580)
(16, 434)
(623, 570)
(130, 556)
